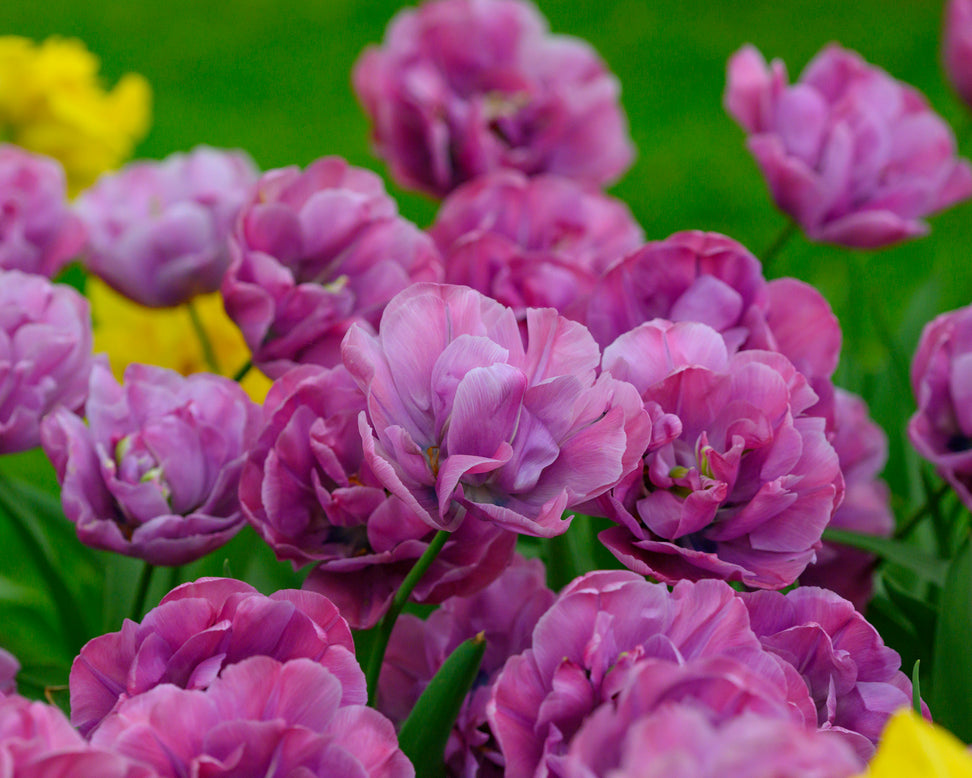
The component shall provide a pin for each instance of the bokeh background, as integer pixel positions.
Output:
(274, 78)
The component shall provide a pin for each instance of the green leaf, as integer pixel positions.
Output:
(910, 557)
(425, 732)
(952, 670)
(918, 612)
(69, 613)
(916, 688)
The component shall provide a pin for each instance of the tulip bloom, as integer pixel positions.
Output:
(154, 473)
(200, 628)
(315, 251)
(158, 232)
(854, 156)
(742, 483)
(464, 87)
(957, 47)
(611, 630)
(307, 489)
(464, 421)
(532, 242)
(941, 377)
(260, 718)
(45, 355)
(38, 232)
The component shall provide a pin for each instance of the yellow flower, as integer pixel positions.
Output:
(52, 102)
(129, 332)
(911, 747)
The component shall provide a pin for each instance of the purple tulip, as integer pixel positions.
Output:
(314, 252)
(158, 231)
(854, 679)
(45, 355)
(690, 276)
(941, 377)
(464, 87)
(200, 628)
(708, 278)
(308, 491)
(447, 359)
(36, 741)
(862, 449)
(38, 232)
(957, 47)
(682, 741)
(259, 719)
(854, 156)
(595, 639)
(9, 667)
(505, 613)
(532, 242)
(744, 482)
(154, 473)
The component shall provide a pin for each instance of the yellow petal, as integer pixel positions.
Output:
(911, 747)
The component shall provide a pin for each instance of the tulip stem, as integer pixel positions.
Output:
(778, 243)
(144, 581)
(241, 373)
(209, 356)
(387, 622)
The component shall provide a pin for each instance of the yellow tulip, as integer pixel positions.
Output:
(52, 102)
(129, 332)
(911, 747)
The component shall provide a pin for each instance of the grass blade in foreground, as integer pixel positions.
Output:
(952, 670)
(426, 730)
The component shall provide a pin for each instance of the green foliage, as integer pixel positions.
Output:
(952, 673)
(424, 734)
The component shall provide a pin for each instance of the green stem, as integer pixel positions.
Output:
(241, 373)
(175, 577)
(387, 623)
(935, 510)
(778, 243)
(144, 581)
(209, 356)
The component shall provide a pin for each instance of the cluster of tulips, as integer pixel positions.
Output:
(557, 495)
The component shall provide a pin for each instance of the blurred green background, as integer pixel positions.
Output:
(273, 78)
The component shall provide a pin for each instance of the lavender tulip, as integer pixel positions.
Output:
(682, 741)
(313, 252)
(38, 232)
(708, 278)
(854, 156)
(505, 613)
(597, 637)
(259, 719)
(445, 359)
(744, 482)
(36, 741)
(309, 492)
(45, 355)
(158, 231)
(690, 276)
(941, 377)
(532, 242)
(154, 473)
(957, 47)
(464, 87)
(862, 449)
(854, 679)
(200, 628)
